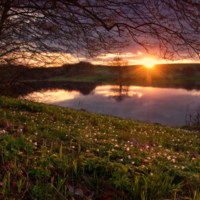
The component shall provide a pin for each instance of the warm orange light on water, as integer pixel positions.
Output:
(148, 62)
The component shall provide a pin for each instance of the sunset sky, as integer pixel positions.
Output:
(134, 55)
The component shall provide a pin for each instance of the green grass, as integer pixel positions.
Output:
(75, 78)
(49, 152)
(102, 75)
(157, 76)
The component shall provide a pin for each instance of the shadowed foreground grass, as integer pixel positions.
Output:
(49, 152)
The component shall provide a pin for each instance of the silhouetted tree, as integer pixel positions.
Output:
(38, 32)
(119, 68)
(81, 68)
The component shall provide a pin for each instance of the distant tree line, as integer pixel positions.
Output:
(182, 69)
(13, 73)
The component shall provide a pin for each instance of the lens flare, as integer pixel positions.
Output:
(149, 62)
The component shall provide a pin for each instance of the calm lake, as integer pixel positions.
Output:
(167, 106)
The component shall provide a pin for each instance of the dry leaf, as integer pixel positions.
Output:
(79, 192)
(70, 188)
(90, 197)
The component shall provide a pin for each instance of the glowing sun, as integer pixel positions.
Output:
(148, 62)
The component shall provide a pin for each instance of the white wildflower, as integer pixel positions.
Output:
(169, 157)
(2, 132)
(173, 160)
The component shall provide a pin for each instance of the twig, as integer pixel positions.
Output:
(26, 184)
(3, 160)
(57, 191)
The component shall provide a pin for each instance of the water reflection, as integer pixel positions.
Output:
(167, 106)
(119, 92)
(22, 89)
(157, 105)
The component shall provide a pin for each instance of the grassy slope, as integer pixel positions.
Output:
(60, 151)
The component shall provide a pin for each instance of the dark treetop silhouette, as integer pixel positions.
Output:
(35, 30)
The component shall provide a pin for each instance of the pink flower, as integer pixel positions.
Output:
(3, 131)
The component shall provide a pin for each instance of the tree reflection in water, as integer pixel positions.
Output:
(119, 92)
(23, 89)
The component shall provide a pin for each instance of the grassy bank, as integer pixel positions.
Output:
(49, 152)
(171, 75)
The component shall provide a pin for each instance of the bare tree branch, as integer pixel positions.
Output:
(31, 29)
